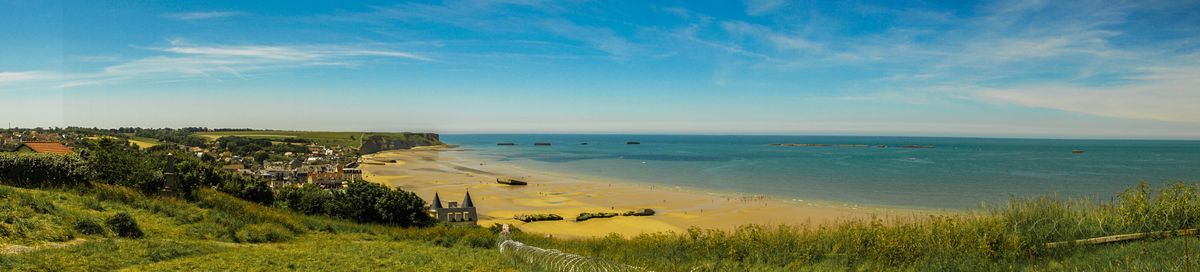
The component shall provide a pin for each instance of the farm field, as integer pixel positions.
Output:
(141, 142)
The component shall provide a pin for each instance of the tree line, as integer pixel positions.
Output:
(118, 162)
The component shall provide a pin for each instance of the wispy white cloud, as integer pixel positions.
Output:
(599, 38)
(1066, 56)
(192, 16)
(508, 18)
(182, 60)
(1165, 95)
(8, 78)
(758, 7)
(780, 41)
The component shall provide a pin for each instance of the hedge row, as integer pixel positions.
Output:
(43, 170)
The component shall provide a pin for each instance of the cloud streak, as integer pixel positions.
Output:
(205, 15)
(182, 60)
(758, 7)
(7, 78)
(1069, 56)
(524, 20)
(1170, 96)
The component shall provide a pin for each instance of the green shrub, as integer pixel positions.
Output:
(89, 226)
(116, 162)
(125, 226)
(262, 233)
(251, 189)
(38, 170)
(307, 199)
(368, 202)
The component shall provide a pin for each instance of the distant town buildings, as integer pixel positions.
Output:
(301, 163)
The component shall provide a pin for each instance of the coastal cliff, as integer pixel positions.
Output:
(376, 143)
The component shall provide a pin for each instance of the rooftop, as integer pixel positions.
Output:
(47, 147)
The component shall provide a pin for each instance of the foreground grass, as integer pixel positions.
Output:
(220, 232)
(1005, 238)
(330, 252)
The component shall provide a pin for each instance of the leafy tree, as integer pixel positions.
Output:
(402, 208)
(357, 201)
(360, 201)
(307, 199)
(116, 162)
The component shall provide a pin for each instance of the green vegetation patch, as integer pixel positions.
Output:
(329, 138)
(106, 254)
(325, 252)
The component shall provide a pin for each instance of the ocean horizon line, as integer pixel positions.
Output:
(1197, 139)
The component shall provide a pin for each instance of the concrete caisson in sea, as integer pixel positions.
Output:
(510, 181)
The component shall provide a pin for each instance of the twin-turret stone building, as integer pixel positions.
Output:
(453, 213)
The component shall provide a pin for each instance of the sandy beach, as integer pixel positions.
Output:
(450, 173)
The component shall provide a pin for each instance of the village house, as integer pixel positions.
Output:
(453, 213)
(335, 179)
(43, 147)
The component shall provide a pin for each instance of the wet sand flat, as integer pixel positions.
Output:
(450, 173)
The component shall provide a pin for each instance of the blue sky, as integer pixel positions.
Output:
(1077, 69)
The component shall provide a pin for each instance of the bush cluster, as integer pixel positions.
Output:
(43, 170)
(360, 201)
(116, 162)
(244, 146)
(125, 226)
(89, 226)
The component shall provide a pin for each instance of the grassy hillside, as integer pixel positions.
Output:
(352, 139)
(39, 232)
(48, 230)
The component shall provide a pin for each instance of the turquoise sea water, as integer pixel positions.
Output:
(957, 173)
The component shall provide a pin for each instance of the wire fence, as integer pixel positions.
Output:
(554, 260)
(1139, 233)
